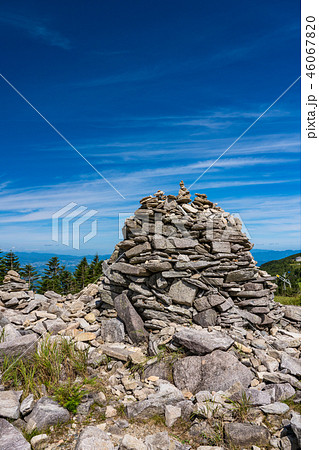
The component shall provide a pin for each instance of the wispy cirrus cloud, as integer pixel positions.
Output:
(36, 29)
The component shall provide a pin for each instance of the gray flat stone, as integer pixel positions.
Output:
(258, 398)
(206, 318)
(24, 345)
(131, 443)
(182, 293)
(293, 365)
(293, 312)
(112, 330)
(201, 342)
(275, 408)
(53, 326)
(10, 404)
(240, 275)
(245, 435)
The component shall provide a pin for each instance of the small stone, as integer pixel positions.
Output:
(40, 441)
(158, 441)
(243, 347)
(27, 405)
(131, 443)
(152, 378)
(172, 413)
(84, 337)
(129, 383)
(90, 317)
(93, 438)
(187, 394)
(203, 396)
(275, 408)
(110, 411)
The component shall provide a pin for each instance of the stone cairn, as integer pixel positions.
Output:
(187, 261)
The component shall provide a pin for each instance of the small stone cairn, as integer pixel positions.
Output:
(187, 261)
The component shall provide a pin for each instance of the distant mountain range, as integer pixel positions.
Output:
(263, 256)
(39, 260)
(71, 261)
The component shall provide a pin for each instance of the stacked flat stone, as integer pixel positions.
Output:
(12, 282)
(188, 261)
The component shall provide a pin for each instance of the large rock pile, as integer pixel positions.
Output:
(181, 325)
(188, 261)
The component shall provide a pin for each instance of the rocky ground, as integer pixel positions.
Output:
(136, 362)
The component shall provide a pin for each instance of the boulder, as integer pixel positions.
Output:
(93, 438)
(11, 438)
(187, 373)
(46, 412)
(245, 435)
(217, 371)
(201, 342)
(133, 323)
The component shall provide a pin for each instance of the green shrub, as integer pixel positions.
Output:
(69, 395)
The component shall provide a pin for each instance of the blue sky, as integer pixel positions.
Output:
(150, 93)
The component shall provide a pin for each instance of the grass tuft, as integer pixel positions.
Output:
(54, 362)
(241, 407)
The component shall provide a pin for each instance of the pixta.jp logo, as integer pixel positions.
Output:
(66, 224)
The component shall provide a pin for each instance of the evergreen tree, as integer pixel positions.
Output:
(30, 274)
(95, 269)
(2, 267)
(67, 281)
(81, 274)
(51, 280)
(11, 261)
